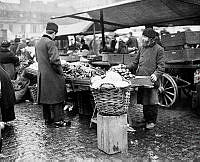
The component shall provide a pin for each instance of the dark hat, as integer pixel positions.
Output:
(17, 39)
(149, 32)
(52, 26)
(5, 44)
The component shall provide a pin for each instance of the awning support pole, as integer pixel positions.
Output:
(102, 28)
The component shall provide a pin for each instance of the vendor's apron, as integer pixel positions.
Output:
(147, 96)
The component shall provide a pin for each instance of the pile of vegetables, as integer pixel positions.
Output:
(79, 70)
(123, 71)
(110, 80)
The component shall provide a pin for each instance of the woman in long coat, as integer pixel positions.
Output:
(51, 83)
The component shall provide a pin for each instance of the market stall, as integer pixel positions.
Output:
(78, 75)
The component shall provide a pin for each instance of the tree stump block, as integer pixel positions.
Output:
(112, 133)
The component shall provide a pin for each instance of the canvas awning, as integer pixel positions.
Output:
(73, 29)
(79, 28)
(130, 13)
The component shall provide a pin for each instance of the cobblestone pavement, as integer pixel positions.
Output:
(177, 136)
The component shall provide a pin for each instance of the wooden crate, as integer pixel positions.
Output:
(181, 38)
(129, 58)
(183, 55)
(113, 58)
(142, 81)
(112, 133)
(70, 58)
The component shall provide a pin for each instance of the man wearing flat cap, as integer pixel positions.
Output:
(149, 62)
(51, 83)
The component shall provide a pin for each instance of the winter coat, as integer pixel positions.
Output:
(7, 99)
(149, 61)
(132, 42)
(8, 60)
(51, 83)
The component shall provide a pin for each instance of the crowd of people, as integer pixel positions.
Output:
(12, 55)
(113, 44)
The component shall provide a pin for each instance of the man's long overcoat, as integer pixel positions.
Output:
(51, 83)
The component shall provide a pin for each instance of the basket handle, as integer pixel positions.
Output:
(107, 84)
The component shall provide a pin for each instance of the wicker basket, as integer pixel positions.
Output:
(111, 102)
(33, 93)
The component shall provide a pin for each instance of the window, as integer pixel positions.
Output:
(11, 27)
(23, 28)
(33, 28)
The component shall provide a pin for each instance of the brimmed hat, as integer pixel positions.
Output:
(17, 39)
(149, 32)
(52, 26)
(5, 44)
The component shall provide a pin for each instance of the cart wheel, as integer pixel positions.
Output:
(167, 91)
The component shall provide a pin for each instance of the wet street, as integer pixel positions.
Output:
(176, 136)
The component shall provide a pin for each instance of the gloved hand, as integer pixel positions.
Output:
(153, 78)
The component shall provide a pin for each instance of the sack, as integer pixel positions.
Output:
(20, 94)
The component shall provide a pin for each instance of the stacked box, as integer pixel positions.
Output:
(113, 58)
(129, 58)
(181, 38)
(184, 55)
(70, 58)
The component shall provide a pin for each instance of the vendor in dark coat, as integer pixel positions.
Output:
(51, 83)
(149, 62)
(7, 99)
(8, 60)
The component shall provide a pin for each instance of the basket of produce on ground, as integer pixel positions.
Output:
(111, 93)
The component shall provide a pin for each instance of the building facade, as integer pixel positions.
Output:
(26, 19)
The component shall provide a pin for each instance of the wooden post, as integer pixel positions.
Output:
(112, 133)
(133, 102)
(102, 28)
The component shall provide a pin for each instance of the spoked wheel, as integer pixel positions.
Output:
(167, 91)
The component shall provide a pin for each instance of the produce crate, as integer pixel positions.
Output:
(181, 38)
(70, 58)
(183, 55)
(129, 58)
(174, 48)
(85, 82)
(113, 58)
(142, 81)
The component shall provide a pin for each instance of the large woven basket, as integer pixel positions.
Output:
(111, 102)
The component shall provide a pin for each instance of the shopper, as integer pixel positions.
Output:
(8, 60)
(7, 99)
(149, 62)
(14, 46)
(84, 46)
(51, 83)
(132, 42)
